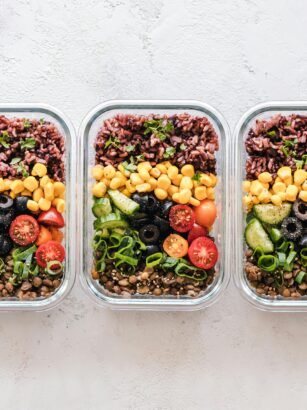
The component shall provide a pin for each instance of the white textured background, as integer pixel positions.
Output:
(74, 54)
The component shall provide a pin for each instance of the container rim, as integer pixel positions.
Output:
(144, 303)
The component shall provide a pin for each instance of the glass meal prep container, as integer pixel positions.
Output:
(279, 303)
(88, 132)
(45, 113)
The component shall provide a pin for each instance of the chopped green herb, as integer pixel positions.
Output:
(42, 120)
(28, 143)
(15, 161)
(19, 166)
(183, 147)
(288, 123)
(140, 157)
(169, 152)
(196, 177)
(285, 151)
(129, 148)
(290, 143)
(129, 166)
(112, 141)
(299, 163)
(26, 124)
(4, 139)
(271, 133)
(157, 128)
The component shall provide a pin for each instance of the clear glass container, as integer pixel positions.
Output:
(51, 114)
(88, 131)
(248, 120)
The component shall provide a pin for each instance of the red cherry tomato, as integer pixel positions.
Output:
(51, 218)
(24, 230)
(181, 218)
(50, 251)
(196, 232)
(205, 213)
(203, 253)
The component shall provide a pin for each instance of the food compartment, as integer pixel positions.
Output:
(152, 199)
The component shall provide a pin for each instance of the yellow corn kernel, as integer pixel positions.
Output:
(155, 172)
(2, 185)
(44, 204)
(194, 202)
(303, 196)
(115, 183)
(173, 189)
(277, 179)
(59, 188)
(176, 197)
(161, 193)
(144, 174)
(13, 195)
(7, 183)
(256, 188)
(121, 168)
(167, 164)
(184, 196)
(291, 193)
(288, 180)
(143, 187)
(106, 181)
(213, 179)
(276, 200)
(300, 176)
(44, 181)
(97, 172)
(200, 192)
(304, 186)
(49, 191)
(130, 187)
(60, 206)
(109, 172)
(265, 185)
(162, 168)
(126, 192)
(136, 179)
(246, 186)
(31, 184)
(25, 192)
(279, 187)
(265, 196)
(153, 183)
(176, 181)
(282, 195)
(17, 186)
(39, 170)
(32, 205)
(99, 190)
(265, 177)
(145, 166)
(255, 200)
(164, 182)
(186, 183)
(247, 201)
(188, 170)
(205, 179)
(210, 193)
(38, 194)
(284, 172)
(172, 172)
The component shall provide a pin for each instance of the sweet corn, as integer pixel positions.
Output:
(164, 182)
(99, 189)
(265, 177)
(155, 172)
(288, 180)
(31, 184)
(247, 201)
(109, 171)
(126, 192)
(44, 181)
(284, 172)
(160, 193)
(300, 176)
(256, 188)
(25, 192)
(172, 172)
(44, 204)
(106, 181)
(291, 193)
(265, 185)
(282, 195)
(205, 179)
(265, 196)
(130, 187)
(13, 195)
(279, 187)
(60, 206)
(7, 184)
(49, 191)
(97, 172)
(255, 200)
(167, 164)
(153, 183)
(303, 196)
(176, 181)
(59, 188)
(173, 189)
(277, 179)
(246, 186)
(213, 179)
(144, 174)
(38, 194)
(144, 166)
(143, 187)
(276, 200)
(136, 179)
(194, 201)
(188, 170)
(32, 205)
(2, 185)
(162, 168)
(115, 183)
(210, 193)
(176, 197)
(186, 183)
(39, 170)
(200, 193)
(304, 186)
(184, 196)
(17, 186)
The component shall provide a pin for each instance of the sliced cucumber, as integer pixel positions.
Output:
(110, 221)
(102, 207)
(272, 214)
(123, 203)
(256, 236)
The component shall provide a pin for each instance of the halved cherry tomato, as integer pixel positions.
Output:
(181, 218)
(203, 253)
(205, 213)
(50, 251)
(175, 246)
(24, 230)
(57, 235)
(51, 218)
(43, 236)
(196, 232)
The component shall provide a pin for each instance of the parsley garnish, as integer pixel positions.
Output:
(140, 157)
(288, 123)
(129, 148)
(4, 139)
(129, 166)
(290, 143)
(183, 147)
(285, 151)
(157, 128)
(112, 141)
(26, 124)
(271, 133)
(42, 120)
(299, 163)
(28, 143)
(169, 152)
(196, 177)
(19, 166)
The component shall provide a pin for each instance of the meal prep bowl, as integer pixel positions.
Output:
(248, 120)
(88, 132)
(38, 111)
